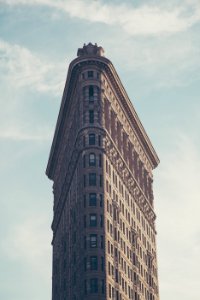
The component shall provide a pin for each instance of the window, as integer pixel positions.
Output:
(93, 285)
(102, 263)
(83, 161)
(101, 220)
(91, 93)
(92, 159)
(100, 160)
(85, 287)
(109, 291)
(91, 139)
(93, 220)
(91, 116)
(92, 179)
(84, 180)
(102, 286)
(99, 141)
(101, 200)
(101, 241)
(93, 241)
(84, 221)
(90, 74)
(84, 200)
(93, 263)
(92, 199)
(100, 180)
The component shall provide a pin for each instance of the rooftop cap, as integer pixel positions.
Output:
(90, 50)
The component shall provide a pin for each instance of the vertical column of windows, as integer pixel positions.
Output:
(113, 125)
(125, 152)
(93, 219)
(107, 115)
(119, 136)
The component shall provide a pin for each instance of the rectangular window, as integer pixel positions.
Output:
(83, 161)
(85, 287)
(92, 179)
(93, 220)
(102, 286)
(93, 263)
(84, 221)
(102, 263)
(84, 200)
(92, 199)
(99, 141)
(90, 74)
(100, 180)
(109, 291)
(85, 264)
(93, 285)
(91, 93)
(101, 220)
(93, 241)
(91, 116)
(92, 159)
(101, 200)
(84, 180)
(102, 242)
(100, 160)
(91, 139)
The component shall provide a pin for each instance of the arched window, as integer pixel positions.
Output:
(92, 159)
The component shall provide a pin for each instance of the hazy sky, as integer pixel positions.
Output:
(155, 48)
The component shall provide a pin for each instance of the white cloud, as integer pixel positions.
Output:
(22, 134)
(23, 72)
(29, 242)
(148, 19)
(21, 68)
(178, 206)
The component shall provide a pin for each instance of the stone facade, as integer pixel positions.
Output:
(101, 163)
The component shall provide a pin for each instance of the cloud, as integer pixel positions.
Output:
(23, 240)
(177, 205)
(16, 133)
(22, 68)
(29, 244)
(24, 73)
(145, 19)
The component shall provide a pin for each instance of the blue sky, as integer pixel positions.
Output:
(155, 48)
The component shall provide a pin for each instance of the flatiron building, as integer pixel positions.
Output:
(101, 163)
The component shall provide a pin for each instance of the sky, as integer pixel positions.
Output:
(155, 48)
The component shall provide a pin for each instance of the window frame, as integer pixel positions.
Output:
(92, 139)
(93, 240)
(92, 161)
(93, 263)
(92, 199)
(93, 220)
(92, 179)
(91, 116)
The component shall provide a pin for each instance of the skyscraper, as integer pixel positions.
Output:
(101, 164)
